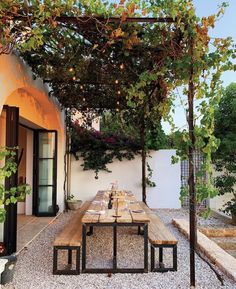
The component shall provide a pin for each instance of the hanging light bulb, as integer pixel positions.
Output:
(84, 99)
(71, 69)
(122, 66)
(74, 78)
(118, 92)
(116, 81)
(81, 87)
(118, 102)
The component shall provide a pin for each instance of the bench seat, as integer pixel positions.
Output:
(160, 237)
(70, 238)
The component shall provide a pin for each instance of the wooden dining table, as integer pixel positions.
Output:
(115, 208)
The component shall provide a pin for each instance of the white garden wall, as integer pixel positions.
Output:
(128, 174)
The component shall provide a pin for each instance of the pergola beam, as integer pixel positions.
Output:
(84, 20)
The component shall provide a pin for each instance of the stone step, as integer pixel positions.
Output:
(215, 253)
(228, 243)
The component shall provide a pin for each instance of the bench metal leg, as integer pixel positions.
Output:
(55, 256)
(161, 267)
(77, 268)
(175, 258)
(76, 271)
(152, 258)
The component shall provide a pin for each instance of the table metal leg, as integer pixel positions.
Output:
(160, 255)
(114, 268)
(84, 234)
(69, 256)
(115, 247)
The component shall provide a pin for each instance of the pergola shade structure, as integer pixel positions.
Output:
(96, 59)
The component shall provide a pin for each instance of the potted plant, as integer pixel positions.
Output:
(72, 203)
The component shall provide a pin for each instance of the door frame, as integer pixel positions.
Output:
(35, 175)
(10, 224)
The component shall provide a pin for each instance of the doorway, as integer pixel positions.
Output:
(45, 177)
(37, 166)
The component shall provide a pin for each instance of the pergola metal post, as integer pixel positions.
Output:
(191, 180)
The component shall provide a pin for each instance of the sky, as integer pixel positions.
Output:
(225, 27)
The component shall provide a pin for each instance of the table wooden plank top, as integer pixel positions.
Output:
(125, 209)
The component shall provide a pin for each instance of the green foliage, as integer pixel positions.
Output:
(230, 207)
(119, 123)
(149, 181)
(70, 198)
(150, 61)
(98, 149)
(125, 122)
(119, 139)
(225, 156)
(8, 167)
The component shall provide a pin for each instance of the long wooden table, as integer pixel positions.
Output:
(127, 212)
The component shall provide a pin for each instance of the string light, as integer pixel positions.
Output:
(118, 92)
(81, 87)
(84, 99)
(116, 81)
(74, 78)
(71, 69)
(118, 102)
(122, 66)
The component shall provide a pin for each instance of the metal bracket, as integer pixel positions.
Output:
(76, 271)
(162, 267)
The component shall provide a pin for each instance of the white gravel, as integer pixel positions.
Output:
(34, 266)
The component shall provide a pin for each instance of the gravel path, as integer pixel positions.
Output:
(34, 266)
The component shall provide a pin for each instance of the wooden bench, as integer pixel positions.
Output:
(70, 239)
(160, 237)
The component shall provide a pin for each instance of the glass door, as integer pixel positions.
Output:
(45, 173)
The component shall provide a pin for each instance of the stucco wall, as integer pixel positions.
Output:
(31, 96)
(128, 174)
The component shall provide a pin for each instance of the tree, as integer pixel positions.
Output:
(225, 157)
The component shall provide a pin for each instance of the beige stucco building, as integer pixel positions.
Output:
(37, 126)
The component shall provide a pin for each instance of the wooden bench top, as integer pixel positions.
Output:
(158, 233)
(71, 234)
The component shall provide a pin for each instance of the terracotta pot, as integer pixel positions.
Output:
(233, 215)
(74, 204)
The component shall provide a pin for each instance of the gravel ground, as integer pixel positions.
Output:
(34, 266)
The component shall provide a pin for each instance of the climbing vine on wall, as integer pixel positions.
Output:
(98, 149)
(8, 167)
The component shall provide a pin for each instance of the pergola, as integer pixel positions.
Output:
(93, 27)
